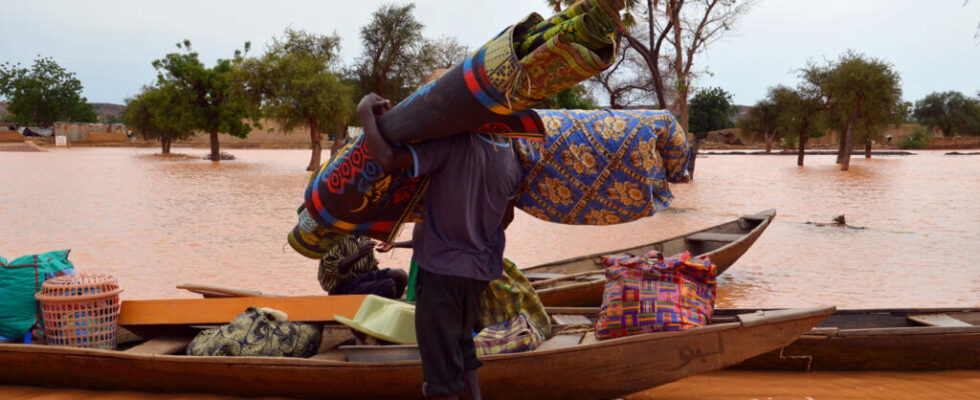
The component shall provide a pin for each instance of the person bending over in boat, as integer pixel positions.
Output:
(350, 268)
(459, 248)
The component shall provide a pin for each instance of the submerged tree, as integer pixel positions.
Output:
(762, 120)
(163, 113)
(293, 83)
(43, 94)
(802, 113)
(215, 110)
(950, 112)
(862, 96)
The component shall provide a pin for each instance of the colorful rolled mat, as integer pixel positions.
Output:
(602, 167)
(595, 167)
(490, 90)
(582, 29)
(606, 10)
(353, 194)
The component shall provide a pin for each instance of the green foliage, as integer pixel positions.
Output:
(918, 139)
(162, 112)
(215, 109)
(396, 57)
(43, 94)
(574, 98)
(860, 93)
(292, 83)
(950, 112)
(763, 119)
(711, 109)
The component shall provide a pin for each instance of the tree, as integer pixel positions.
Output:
(43, 94)
(396, 57)
(447, 51)
(293, 84)
(862, 96)
(802, 113)
(950, 112)
(689, 27)
(628, 81)
(574, 98)
(163, 113)
(215, 109)
(763, 120)
(711, 109)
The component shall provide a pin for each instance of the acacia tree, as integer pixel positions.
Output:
(950, 112)
(802, 113)
(396, 56)
(447, 51)
(43, 94)
(862, 96)
(162, 113)
(215, 109)
(294, 84)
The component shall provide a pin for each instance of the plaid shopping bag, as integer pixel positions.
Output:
(512, 336)
(646, 294)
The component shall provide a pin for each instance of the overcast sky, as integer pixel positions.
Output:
(110, 44)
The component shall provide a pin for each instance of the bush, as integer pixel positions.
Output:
(789, 142)
(918, 139)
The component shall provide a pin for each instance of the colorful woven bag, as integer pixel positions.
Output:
(512, 336)
(511, 295)
(645, 294)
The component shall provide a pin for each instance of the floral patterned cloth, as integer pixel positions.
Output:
(601, 167)
(646, 294)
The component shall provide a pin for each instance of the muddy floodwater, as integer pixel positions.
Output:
(155, 223)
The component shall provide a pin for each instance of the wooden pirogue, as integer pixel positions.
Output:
(569, 366)
(579, 281)
(915, 339)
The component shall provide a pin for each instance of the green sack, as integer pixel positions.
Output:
(257, 333)
(19, 280)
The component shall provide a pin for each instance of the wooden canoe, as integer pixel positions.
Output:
(569, 366)
(918, 339)
(579, 281)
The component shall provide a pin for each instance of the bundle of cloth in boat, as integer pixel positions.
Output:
(594, 167)
(601, 167)
(526, 63)
(20, 279)
(646, 294)
(510, 295)
(513, 336)
(258, 332)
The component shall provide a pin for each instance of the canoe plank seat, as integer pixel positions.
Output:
(938, 320)
(171, 343)
(223, 310)
(537, 276)
(714, 237)
(563, 319)
(561, 341)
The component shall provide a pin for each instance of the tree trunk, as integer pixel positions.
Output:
(867, 147)
(681, 79)
(165, 146)
(314, 145)
(848, 142)
(803, 138)
(215, 153)
(840, 146)
(769, 138)
(338, 142)
(693, 156)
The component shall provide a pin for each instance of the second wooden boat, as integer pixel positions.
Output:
(579, 281)
(914, 339)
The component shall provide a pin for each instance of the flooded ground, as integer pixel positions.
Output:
(156, 223)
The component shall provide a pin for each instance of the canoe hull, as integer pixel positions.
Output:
(606, 369)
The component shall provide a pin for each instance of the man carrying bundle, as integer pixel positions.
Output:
(459, 248)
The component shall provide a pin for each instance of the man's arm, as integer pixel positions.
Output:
(386, 247)
(348, 262)
(390, 158)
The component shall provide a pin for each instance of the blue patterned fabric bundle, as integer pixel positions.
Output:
(602, 167)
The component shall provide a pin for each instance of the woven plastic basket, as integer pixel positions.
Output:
(80, 310)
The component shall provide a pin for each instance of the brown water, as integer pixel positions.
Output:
(156, 223)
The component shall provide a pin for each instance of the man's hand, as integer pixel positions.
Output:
(384, 247)
(366, 248)
(372, 105)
